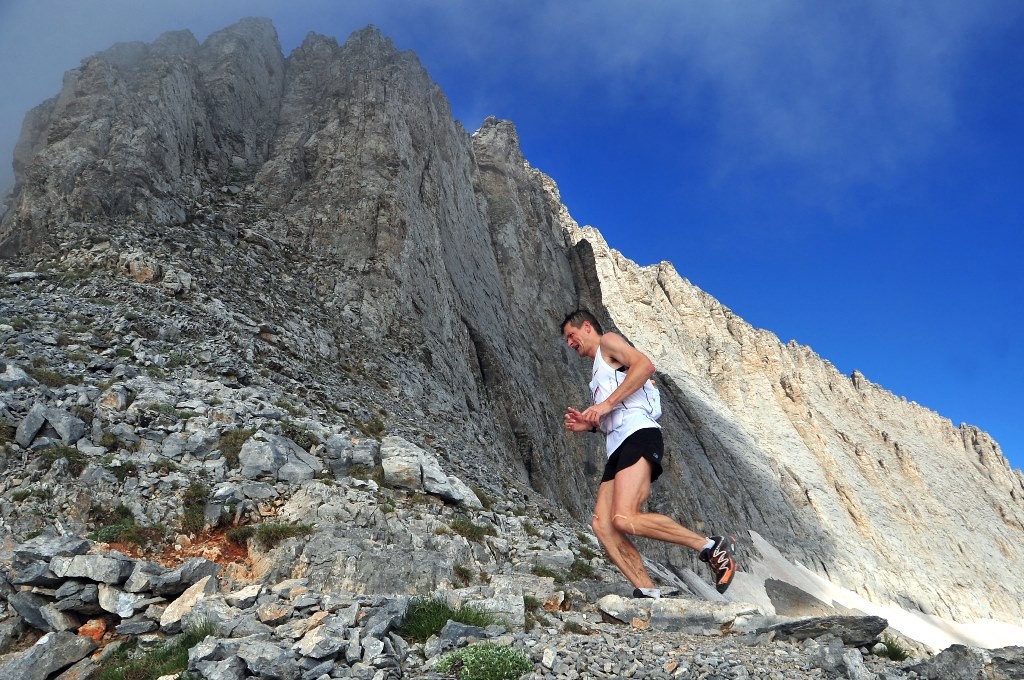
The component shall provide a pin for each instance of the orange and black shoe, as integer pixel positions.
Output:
(718, 557)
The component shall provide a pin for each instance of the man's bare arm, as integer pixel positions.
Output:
(639, 371)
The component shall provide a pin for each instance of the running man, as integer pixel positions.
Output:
(626, 408)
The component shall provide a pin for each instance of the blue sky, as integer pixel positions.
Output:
(848, 175)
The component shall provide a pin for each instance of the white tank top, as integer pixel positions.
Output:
(636, 412)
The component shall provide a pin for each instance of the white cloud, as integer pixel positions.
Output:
(854, 89)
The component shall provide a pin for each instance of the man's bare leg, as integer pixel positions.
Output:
(620, 549)
(631, 488)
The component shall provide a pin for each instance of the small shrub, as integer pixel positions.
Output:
(484, 499)
(894, 649)
(580, 569)
(299, 435)
(291, 408)
(463, 573)
(52, 378)
(473, 532)
(163, 466)
(76, 461)
(427, 616)
(230, 445)
(573, 627)
(193, 517)
(374, 428)
(240, 535)
(359, 471)
(485, 662)
(529, 529)
(270, 535)
(544, 571)
(7, 433)
(123, 471)
(20, 495)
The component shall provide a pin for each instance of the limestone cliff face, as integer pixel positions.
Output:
(443, 264)
(877, 494)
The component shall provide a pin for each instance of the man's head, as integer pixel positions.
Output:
(582, 332)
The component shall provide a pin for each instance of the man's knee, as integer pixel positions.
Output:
(623, 523)
(602, 527)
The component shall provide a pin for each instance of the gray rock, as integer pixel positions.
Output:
(30, 425)
(11, 628)
(453, 631)
(855, 631)
(387, 617)
(69, 427)
(1007, 663)
(52, 653)
(136, 625)
(232, 668)
(117, 601)
(177, 580)
(47, 546)
(29, 606)
(266, 659)
(36, 574)
(275, 457)
(956, 662)
(13, 377)
(58, 620)
(109, 569)
(322, 642)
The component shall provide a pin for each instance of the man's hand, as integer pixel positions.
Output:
(592, 416)
(574, 421)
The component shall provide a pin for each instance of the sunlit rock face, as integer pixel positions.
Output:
(321, 221)
(880, 495)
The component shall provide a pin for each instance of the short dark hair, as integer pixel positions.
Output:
(576, 319)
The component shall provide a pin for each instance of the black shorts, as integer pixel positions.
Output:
(646, 443)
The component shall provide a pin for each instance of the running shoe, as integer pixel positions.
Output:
(722, 565)
(639, 592)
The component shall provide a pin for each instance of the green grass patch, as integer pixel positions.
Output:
(427, 616)
(580, 570)
(168, 659)
(529, 529)
(485, 662)
(463, 573)
(240, 535)
(299, 435)
(894, 649)
(118, 525)
(544, 571)
(230, 445)
(292, 408)
(471, 531)
(271, 534)
(52, 378)
(20, 495)
(374, 428)
(193, 516)
(365, 473)
(76, 461)
(164, 466)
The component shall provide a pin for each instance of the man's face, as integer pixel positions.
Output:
(577, 338)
